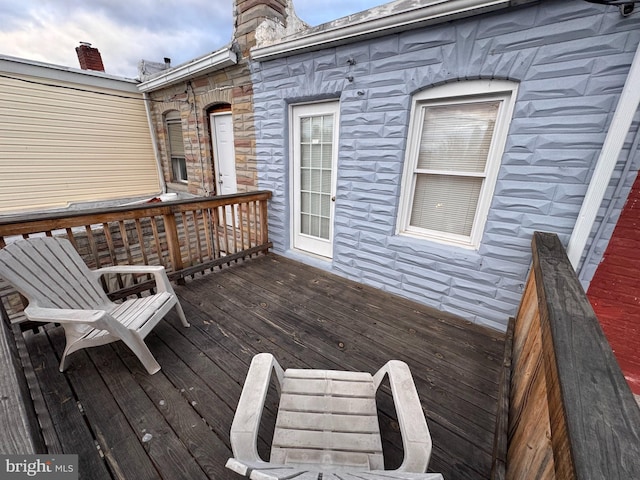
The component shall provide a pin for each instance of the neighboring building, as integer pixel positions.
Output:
(70, 136)
(203, 110)
(615, 289)
(417, 146)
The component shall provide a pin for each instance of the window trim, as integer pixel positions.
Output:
(451, 94)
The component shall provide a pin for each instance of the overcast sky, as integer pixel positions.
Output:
(126, 31)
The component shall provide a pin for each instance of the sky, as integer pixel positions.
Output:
(126, 31)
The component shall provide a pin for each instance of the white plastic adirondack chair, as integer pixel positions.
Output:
(62, 289)
(327, 425)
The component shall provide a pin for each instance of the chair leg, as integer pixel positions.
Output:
(183, 319)
(63, 360)
(140, 349)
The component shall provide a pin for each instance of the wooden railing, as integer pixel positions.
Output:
(571, 413)
(186, 237)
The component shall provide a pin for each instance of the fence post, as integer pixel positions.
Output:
(264, 226)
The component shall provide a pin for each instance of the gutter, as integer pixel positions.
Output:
(154, 142)
(380, 21)
(611, 148)
(218, 60)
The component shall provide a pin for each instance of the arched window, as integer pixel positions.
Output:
(456, 140)
(176, 147)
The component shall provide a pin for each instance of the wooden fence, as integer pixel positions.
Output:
(571, 414)
(186, 237)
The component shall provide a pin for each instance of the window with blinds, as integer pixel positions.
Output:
(176, 147)
(455, 147)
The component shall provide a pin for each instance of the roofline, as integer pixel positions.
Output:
(378, 22)
(217, 60)
(22, 66)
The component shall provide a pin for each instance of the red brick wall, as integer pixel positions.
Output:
(614, 291)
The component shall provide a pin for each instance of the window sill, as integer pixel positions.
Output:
(447, 242)
(177, 187)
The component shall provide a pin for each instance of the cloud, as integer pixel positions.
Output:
(123, 35)
(126, 31)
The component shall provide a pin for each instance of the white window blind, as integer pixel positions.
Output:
(451, 165)
(176, 142)
(176, 147)
(455, 147)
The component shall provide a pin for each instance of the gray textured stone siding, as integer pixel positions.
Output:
(571, 59)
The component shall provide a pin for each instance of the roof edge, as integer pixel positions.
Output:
(378, 22)
(217, 60)
(33, 68)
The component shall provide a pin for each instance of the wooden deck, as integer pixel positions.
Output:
(175, 424)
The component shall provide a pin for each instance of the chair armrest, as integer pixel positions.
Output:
(63, 315)
(158, 271)
(246, 421)
(416, 438)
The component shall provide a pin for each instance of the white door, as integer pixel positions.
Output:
(224, 157)
(314, 157)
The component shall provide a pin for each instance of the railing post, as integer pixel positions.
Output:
(572, 414)
(264, 226)
(173, 242)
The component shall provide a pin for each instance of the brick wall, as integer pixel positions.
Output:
(571, 59)
(614, 291)
(231, 86)
(194, 99)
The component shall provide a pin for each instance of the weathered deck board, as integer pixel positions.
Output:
(306, 318)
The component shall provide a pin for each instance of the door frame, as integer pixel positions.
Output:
(300, 242)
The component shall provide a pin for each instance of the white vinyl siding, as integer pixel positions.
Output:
(61, 145)
(457, 138)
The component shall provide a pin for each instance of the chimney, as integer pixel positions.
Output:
(90, 58)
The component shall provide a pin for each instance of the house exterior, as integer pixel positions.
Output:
(70, 136)
(202, 111)
(368, 130)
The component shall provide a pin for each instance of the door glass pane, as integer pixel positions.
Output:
(304, 224)
(316, 142)
(305, 155)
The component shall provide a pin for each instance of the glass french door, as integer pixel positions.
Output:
(315, 153)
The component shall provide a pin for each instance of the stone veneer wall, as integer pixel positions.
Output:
(230, 86)
(571, 59)
(193, 99)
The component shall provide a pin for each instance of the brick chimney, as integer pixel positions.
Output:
(90, 58)
(257, 21)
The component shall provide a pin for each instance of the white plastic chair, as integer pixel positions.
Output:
(62, 289)
(327, 425)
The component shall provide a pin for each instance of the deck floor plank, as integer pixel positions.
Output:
(63, 407)
(122, 450)
(168, 453)
(446, 380)
(307, 318)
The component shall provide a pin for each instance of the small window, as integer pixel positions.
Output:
(456, 141)
(176, 147)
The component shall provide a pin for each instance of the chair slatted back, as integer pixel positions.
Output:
(51, 273)
(327, 418)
